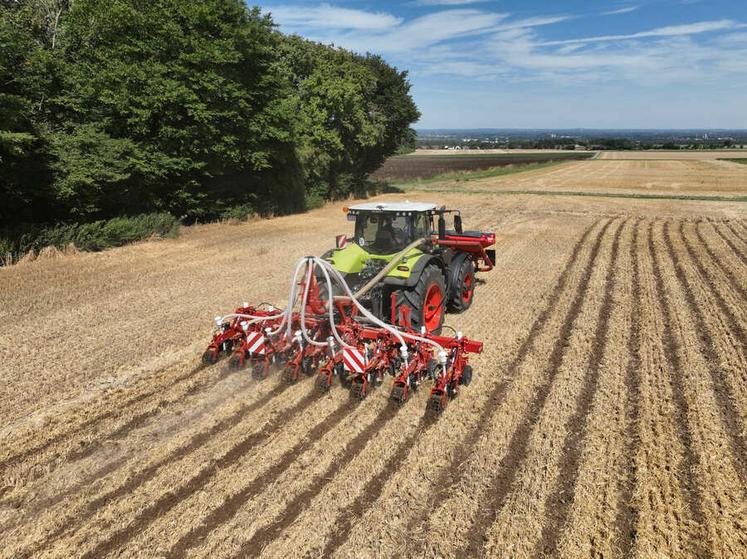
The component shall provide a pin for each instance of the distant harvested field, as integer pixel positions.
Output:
(707, 177)
(492, 151)
(423, 166)
(678, 155)
(607, 415)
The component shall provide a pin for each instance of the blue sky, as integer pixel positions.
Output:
(543, 64)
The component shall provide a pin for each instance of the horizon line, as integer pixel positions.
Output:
(595, 129)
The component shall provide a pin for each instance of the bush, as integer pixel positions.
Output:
(94, 236)
(314, 201)
(237, 213)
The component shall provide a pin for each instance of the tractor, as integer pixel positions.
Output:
(406, 267)
(372, 307)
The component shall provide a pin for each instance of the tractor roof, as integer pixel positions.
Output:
(406, 206)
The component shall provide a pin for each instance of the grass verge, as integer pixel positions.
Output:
(95, 236)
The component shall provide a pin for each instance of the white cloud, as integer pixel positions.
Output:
(668, 31)
(326, 16)
(478, 45)
(533, 22)
(619, 11)
(415, 35)
(667, 60)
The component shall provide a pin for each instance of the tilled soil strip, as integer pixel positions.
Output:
(232, 504)
(721, 491)
(493, 501)
(721, 389)
(589, 528)
(738, 252)
(626, 521)
(691, 464)
(450, 475)
(731, 277)
(166, 502)
(725, 309)
(737, 231)
(559, 501)
(149, 403)
(277, 504)
(87, 478)
(355, 510)
(665, 526)
(194, 443)
(267, 534)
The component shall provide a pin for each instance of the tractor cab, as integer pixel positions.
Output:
(407, 271)
(384, 229)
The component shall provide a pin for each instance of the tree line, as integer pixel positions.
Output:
(203, 109)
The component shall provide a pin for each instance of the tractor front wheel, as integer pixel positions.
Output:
(426, 301)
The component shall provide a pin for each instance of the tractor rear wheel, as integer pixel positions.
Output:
(426, 301)
(464, 288)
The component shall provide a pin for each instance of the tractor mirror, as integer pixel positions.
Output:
(441, 227)
(458, 223)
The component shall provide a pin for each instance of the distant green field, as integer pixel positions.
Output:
(742, 160)
(467, 176)
(418, 166)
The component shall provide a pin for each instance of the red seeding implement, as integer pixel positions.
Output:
(389, 326)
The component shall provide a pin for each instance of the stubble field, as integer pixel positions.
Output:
(607, 417)
(653, 178)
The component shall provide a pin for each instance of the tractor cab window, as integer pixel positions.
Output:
(383, 233)
(421, 226)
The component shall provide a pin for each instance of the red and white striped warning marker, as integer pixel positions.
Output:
(341, 241)
(353, 360)
(255, 343)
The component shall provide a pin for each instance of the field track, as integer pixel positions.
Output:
(607, 416)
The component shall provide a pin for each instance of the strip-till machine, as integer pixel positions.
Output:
(373, 306)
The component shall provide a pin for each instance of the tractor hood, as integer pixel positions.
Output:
(352, 259)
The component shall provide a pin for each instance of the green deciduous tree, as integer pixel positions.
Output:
(120, 107)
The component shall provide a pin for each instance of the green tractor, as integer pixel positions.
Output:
(406, 267)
